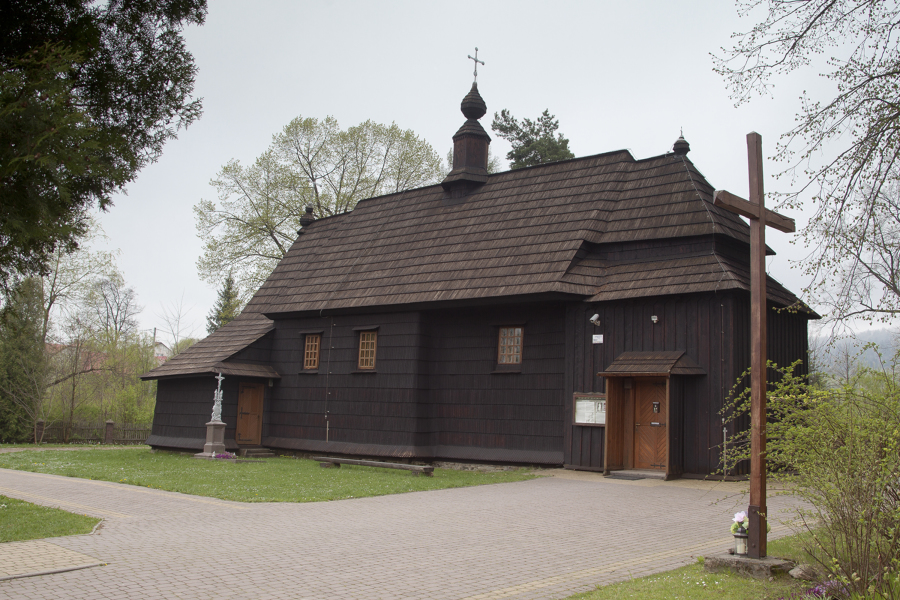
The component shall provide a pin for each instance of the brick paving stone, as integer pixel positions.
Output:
(539, 539)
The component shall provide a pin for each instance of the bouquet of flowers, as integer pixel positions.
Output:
(741, 523)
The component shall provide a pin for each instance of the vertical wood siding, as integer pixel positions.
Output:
(712, 328)
(184, 406)
(434, 386)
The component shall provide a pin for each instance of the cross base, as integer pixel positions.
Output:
(215, 440)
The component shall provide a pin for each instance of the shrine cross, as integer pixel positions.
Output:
(220, 378)
(475, 58)
(760, 217)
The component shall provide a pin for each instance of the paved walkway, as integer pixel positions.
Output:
(539, 539)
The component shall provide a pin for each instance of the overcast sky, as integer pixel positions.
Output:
(616, 75)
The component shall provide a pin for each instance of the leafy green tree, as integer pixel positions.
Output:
(838, 448)
(89, 94)
(340, 168)
(845, 147)
(70, 277)
(23, 362)
(533, 142)
(310, 163)
(112, 309)
(226, 308)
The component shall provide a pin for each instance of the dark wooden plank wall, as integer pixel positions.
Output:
(434, 385)
(470, 404)
(714, 331)
(257, 353)
(696, 323)
(184, 406)
(378, 407)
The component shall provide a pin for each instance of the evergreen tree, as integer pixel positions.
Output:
(533, 142)
(89, 94)
(227, 307)
(23, 362)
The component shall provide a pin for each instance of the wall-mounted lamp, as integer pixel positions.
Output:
(271, 383)
(595, 320)
(654, 318)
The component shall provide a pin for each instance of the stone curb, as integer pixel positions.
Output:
(52, 571)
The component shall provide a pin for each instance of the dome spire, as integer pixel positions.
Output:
(470, 144)
(681, 147)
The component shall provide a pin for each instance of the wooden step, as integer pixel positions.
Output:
(257, 452)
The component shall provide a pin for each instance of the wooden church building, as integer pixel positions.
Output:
(592, 313)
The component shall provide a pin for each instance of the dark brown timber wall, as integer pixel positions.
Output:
(435, 392)
(713, 329)
(184, 406)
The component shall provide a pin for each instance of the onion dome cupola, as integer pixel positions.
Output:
(470, 144)
(681, 147)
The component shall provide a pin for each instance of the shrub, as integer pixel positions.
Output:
(840, 448)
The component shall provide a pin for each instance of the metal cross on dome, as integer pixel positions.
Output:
(475, 58)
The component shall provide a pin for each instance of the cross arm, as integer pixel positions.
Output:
(738, 205)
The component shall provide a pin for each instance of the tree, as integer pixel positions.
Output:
(340, 168)
(855, 179)
(70, 277)
(862, 257)
(838, 448)
(254, 223)
(113, 309)
(533, 142)
(310, 162)
(174, 317)
(226, 308)
(23, 363)
(89, 94)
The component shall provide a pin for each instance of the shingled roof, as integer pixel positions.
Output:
(210, 354)
(674, 362)
(550, 229)
(522, 232)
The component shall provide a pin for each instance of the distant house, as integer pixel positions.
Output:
(592, 313)
(161, 352)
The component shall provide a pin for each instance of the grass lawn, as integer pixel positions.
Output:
(21, 520)
(694, 583)
(278, 479)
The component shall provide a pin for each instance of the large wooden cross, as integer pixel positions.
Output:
(760, 217)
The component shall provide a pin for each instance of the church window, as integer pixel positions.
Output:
(311, 351)
(509, 350)
(367, 345)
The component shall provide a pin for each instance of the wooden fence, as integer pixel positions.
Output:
(92, 433)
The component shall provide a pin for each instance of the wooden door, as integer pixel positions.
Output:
(250, 410)
(650, 440)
